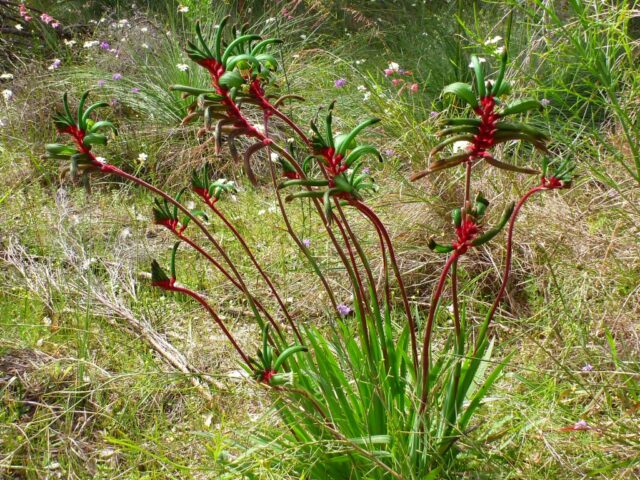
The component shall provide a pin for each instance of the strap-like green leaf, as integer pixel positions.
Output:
(463, 91)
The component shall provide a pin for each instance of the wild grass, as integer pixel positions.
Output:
(83, 398)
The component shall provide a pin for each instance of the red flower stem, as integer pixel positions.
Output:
(106, 168)
(507, 264)
(367, 212)
(319, 210)
(459, 340)
(270, 109)
(361, 253)
(292, 124)
(266, 278)
(426, 344)
(363, 305)
(296, 239)
(235, 283)
(216, 318)
(467, 189)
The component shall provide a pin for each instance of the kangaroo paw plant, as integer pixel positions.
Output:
(356, 399)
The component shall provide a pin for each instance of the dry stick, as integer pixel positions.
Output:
(429, 328)
(258, 267)
(216, 318)
(394, 265)
(235, 283)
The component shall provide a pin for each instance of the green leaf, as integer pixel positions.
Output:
(477, 68)
(231, 79)
(261, 46)
(218, 38)
(343, 145)
(463, 91)
(521, 106)
(236, 43)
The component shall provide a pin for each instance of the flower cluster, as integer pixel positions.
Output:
(397, 75)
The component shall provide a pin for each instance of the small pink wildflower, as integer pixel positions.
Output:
(396, 81)
(388, 72)
(545, 102)
(306, 242)
(135, 90)
(341, 82)
(117, 76)
(581, 425)
(46, 18)
(414, 88)
(23, 12)
(587, 368)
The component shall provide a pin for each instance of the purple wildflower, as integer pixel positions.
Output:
(343, 310)
(117, 76)
(587, 368)
(434, 114)
(105, 45)
(341, 82)
(306, 242)
(581, 425)
(366, 170)
(114, 102)
(389, 152)
(101, 83)
(135, 90)
(545, 102)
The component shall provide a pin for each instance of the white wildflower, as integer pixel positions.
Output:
(394, 66)
(183, 67)
(366, 96)
(183, 9)
(7, 94)
(19, 27)
(3, 122)
(480, 60)
(142, 157)
(144, 29)
(493, 40)
(46, 321)
(270, 20)
(144, 45)
(69, 43)
(91, 44)
(125, 233)
(274, 157)
(6, 76)
(460, 146)
(362, 88)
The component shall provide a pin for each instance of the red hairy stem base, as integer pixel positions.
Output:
(370, 214)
